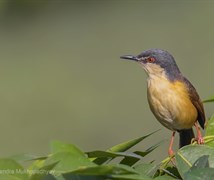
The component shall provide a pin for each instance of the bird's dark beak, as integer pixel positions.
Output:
(130, 57)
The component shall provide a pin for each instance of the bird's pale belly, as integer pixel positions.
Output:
(170, 104)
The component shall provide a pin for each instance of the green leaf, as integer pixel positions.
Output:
(11, 170)
(210, 132)
(210, 127)
(26, 157)
(44, 172)
(147, 169)
(201, 162)
(111, 155)
(58, 146)
(105, 170)
(68, 160)
(211, 99)
(188, 155)
(131, 177)
(165, 177)
(117, 171)
(36, 165)
(108, 154)
(200, 174)
(65, 158)
(60, 150)
(128, 144)
(121, 148)
(81, 177)
(183, 164)
(22, 157)
(172, 171)
(132, 160)
(9, 177)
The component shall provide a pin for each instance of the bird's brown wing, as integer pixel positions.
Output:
(196, 101)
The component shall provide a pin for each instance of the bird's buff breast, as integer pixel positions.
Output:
(170, 103)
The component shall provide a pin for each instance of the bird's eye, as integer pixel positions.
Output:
(150, 59)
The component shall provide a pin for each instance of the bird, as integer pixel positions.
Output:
(172, 98)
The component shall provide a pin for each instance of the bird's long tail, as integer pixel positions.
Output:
(185, 137)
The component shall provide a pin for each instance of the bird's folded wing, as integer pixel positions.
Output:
(196, 101)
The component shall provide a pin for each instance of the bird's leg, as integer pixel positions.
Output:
(170, 150)
(200, 139)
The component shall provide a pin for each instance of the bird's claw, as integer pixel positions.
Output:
(170, 152)
(200, 140)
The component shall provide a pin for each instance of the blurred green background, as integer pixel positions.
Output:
(61, 77)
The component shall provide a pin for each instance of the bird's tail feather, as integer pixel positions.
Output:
(185, 137)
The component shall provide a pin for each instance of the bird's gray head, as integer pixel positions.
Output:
(157, 62)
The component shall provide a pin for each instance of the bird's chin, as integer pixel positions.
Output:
(143, 65)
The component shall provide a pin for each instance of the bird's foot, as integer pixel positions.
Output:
(170, 152)
(200, 139)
